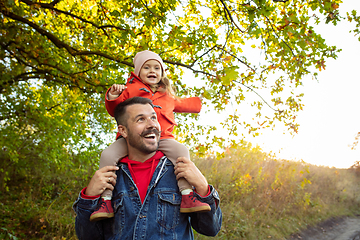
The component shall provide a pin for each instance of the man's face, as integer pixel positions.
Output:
(143, 129)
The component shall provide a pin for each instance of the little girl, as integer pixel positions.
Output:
(149, 80)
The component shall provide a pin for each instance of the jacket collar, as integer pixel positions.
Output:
(135, 79)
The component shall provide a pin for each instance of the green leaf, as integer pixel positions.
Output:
(115, 13)
(230, 75)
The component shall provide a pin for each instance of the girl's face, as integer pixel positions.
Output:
(151, 72)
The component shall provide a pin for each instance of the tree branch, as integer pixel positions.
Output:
(189, 67)
(272, 27)
(234, 56)
(292, 52)
(145, 5)
(202, 55)
(229, 14)
(276, 110)
(53, 3)
(50, 108)
(50, 6)
(60, 44)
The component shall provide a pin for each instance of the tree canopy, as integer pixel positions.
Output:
(59, 57)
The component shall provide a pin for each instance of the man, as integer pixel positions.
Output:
(146, 197)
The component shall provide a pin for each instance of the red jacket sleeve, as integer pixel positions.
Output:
(187, 105)
(111, 104)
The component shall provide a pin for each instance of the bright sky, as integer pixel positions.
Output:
(331, 117)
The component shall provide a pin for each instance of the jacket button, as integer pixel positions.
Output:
(132, 189)
(142, 216)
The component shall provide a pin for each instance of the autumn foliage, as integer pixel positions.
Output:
(57, 58)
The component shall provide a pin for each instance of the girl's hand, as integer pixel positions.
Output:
(115, 91)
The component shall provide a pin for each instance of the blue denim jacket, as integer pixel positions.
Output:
(157, 218)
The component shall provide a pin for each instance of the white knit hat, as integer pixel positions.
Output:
(141, 57)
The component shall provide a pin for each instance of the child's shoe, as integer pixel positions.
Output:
(104, 211)
(190, 203)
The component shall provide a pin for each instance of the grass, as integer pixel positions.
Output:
(265, 198)
(261, 197)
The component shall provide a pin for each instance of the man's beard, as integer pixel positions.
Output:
(136, 141)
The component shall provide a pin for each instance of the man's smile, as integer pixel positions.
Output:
(150, 134)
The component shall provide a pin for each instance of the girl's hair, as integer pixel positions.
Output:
(165, 85)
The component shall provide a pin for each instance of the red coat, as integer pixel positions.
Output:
(164, 104)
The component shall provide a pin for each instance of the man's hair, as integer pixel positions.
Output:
(120, 110)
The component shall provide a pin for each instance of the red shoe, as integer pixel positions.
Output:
(104, 211)
(189, 203)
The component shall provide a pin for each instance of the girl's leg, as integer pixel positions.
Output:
(189, 202)
(173, 150)
(110, 157)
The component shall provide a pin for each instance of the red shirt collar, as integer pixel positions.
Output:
(142, 172)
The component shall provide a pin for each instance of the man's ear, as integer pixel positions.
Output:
(123, 131)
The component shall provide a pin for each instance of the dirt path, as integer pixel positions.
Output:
(344, 228)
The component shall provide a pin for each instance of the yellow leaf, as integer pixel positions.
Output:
(335, 6)
(227, 59)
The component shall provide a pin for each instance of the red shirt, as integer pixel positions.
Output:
(140, 172)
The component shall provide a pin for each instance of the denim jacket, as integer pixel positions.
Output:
(157, 218)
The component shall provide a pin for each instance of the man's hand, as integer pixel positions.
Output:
(187, 169)
(115, 91)
(103, 178)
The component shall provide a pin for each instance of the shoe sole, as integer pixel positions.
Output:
(101, 216)
(195, 209)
